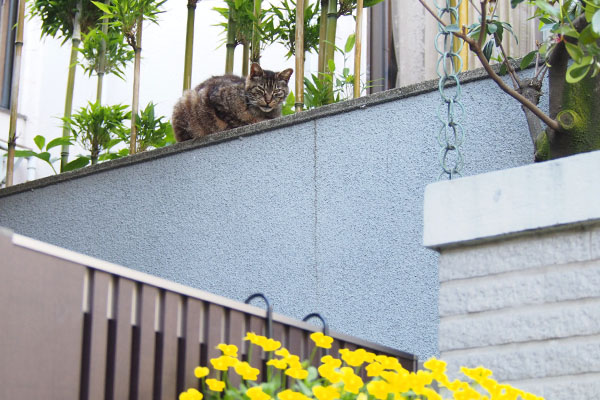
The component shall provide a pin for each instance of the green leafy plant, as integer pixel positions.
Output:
(153, 132)
(289, 378)
(43, 152)
(95, 127)
(128, 16)
(69, 19)
(117, 55)
(281, 26)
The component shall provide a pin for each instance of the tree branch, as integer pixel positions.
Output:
(510, 69)
(475, 48)
(482, 31)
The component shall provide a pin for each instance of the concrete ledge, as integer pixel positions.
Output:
(238, 133)
(556, 193)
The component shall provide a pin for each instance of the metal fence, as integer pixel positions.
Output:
(77, 327)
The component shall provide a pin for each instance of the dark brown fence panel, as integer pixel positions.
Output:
(40, 327)
(76, 327)
(121, 367)
(191, 352)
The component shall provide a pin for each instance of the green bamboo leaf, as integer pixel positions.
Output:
(103, 7)
(59, 142)
(44, 156)
(528, 59)
(39, 141)
(23, 153)
(575, 52)
(331, 65)
(350, 43)
(371, 3)
(514, 3)
(79, 162)
(452, 28)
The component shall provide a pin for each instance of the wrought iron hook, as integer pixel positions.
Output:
(269, 311)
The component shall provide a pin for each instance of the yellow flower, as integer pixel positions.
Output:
(191, 394)
(379, 389)
(431, 394)
(297, 373)
(251, 336)
(399, 381)
(267, 344)
(291, 395)
(278, 363)
(293, 361)
(228, 349)
(246, 371)
(328, 372)
(354, 358)
(336, 363)
(215, 385)
(223, 363)
(283, 352)
(389, 362)
(201, 372)
(352, 382)
(256, 393)
(326, 392)
(271, 345)
(374, 369)
(321, 340)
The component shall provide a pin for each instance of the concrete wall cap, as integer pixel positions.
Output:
(556, 193)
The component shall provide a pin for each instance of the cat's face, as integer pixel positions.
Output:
(267, 90)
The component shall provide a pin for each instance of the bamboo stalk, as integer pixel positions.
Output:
(102, 60)
(245, 58)
(14, 96)
(136, 86)
(189, 45)
(299, 55)
(322, 36)
(230, 42)
(463, 20)
(76, 39)
(330, 45)
(255, 56)
(358, 48)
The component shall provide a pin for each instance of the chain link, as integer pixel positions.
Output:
(450, 111)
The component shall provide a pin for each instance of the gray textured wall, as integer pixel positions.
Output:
(322, 211)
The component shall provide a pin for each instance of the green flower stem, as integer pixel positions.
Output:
(250, 354)
(312, 355)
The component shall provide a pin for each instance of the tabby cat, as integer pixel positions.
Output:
(228, 101)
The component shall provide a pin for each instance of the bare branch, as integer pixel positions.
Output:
(511, 92)
(482, 31)
(511, 71)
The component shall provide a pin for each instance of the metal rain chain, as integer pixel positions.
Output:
(450, 111)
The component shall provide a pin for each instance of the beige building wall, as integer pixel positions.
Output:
(415, 30)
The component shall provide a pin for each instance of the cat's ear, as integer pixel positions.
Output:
(255, 70)
(285, 74)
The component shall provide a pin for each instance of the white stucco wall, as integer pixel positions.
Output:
(520, 283)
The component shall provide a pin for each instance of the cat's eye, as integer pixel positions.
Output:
(278, 93)
(259, 90)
